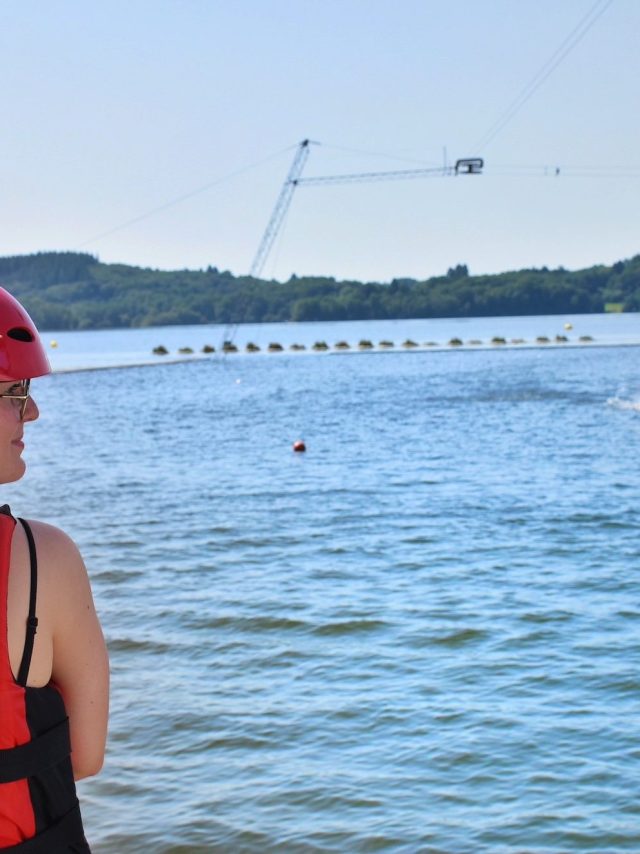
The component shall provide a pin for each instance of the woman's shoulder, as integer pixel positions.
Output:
(53, 545)
(62, 575)
(79, 663)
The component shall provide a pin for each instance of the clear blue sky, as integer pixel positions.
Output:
(112, 109)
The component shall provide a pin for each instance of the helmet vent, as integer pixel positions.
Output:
(19, 333)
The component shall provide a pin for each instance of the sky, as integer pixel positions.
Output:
(159, 133)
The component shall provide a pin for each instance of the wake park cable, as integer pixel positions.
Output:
(557, 57)
(178, 199)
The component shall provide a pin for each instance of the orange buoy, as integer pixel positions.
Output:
(299, 446)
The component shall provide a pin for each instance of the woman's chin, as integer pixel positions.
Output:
(14, 473)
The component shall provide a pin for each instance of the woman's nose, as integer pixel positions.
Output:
(31, 412)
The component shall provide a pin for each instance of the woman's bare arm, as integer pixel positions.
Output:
(80, 664)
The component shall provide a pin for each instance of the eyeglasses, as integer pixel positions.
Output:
(19, 395)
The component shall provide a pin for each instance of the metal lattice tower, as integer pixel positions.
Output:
(281, 208)
(465, 166)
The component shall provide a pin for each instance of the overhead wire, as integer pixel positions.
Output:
(178, 199)
(559, 55)
(557, 170)
(378, 154)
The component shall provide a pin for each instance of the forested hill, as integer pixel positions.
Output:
(70, 290)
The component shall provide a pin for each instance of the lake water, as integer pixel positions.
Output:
(126, 347)
(420, 636)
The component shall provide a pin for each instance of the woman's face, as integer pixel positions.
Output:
(12, 465)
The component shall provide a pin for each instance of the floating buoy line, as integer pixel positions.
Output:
(364, 344)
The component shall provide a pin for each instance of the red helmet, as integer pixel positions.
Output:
(22, 355)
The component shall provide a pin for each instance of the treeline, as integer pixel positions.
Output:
(71, 290)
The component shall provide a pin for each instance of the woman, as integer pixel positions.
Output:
(54, 670)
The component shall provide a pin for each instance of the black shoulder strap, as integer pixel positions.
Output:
(32, 620)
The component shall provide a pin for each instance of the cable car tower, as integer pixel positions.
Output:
(464, 166)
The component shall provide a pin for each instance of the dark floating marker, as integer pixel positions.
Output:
(299, 446)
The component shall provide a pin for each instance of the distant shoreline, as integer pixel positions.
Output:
(73, 291)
